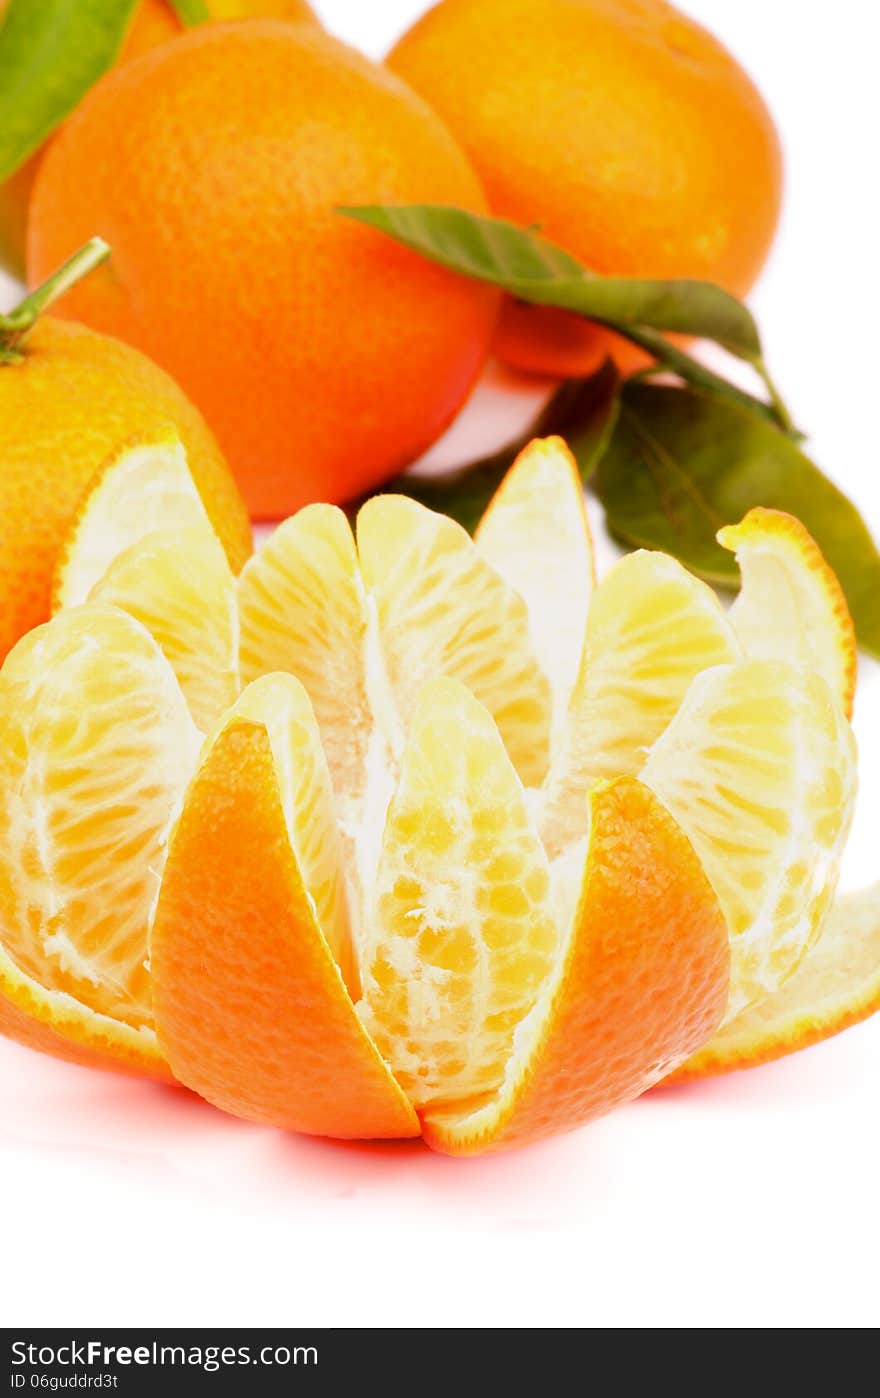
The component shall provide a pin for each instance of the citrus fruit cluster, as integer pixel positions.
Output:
(324, 356)
(401, 832)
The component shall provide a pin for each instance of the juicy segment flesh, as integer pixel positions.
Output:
(835, 986)
(96, 746)
(161, 561)
(444, 612)
(462, 935)
(304, 611)
(155, 474)
(651, 628)
(758, 767)
(364, 641)
(179, 586)
(640, 981)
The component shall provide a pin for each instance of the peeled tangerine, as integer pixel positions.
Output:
(479, 850)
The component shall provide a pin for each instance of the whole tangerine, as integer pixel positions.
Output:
(153, 22)
(71, 399)
(622, 128)
(323, 355)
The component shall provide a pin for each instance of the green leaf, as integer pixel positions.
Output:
(51, 53)
(191, 12)
(583, 411)
(533, 269)
(682, 463)
(526, 265)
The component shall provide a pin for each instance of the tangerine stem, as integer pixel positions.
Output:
(16, 324)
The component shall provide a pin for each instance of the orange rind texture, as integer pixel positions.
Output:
(68, 406)
(251, 1007)
(153, 22)
(835, 987)
(253, 1013)
(643, 981)
(325, 356)
(621, 128)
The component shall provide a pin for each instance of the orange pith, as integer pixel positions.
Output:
(165, 583)
(253, 1013)
(535, 532)
(151, 468)
(791, 617)
(621, 128)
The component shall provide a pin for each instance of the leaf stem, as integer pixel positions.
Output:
(692, 371)
(16, 324)
(780, 408)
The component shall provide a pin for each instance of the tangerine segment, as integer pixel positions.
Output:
(535, 533)
(303, 610)
(443, 611)
(807, 620)
(251, 1007)
(462, 935)
(759, 769)
(640, 983)
(835, 986)
(180, 587)
(144, 488)
(651, 628)
(96, 744)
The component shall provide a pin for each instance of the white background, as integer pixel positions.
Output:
(751, 1200)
